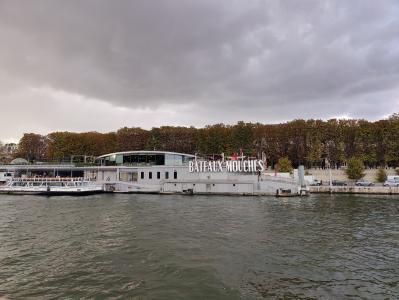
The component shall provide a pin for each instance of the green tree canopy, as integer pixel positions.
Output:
(32, 147)
(381, 175)
(284, 165)
(355, 170)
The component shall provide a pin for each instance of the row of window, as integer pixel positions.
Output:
(145, 159)
(132, 176)
(142, 175)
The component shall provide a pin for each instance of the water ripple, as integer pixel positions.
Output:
(175, 247)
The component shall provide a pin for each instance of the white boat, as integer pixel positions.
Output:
(51, 186)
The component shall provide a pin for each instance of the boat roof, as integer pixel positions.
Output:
(145, 152)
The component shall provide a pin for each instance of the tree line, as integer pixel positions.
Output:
(313, 143)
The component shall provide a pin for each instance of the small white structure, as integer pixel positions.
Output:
(19, 161)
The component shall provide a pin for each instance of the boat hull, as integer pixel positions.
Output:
(55, 193)
(52, 191)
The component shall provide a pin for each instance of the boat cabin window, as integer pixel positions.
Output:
(158, 175)
(166, 175)
(175, 175)
(128, 176)
(173, 159)
(145, 159)
(142, 175)
(149, 175)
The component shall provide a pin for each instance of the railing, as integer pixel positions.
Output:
(277, 178)
(51, 179)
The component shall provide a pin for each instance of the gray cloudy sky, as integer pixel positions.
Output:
(99, 65)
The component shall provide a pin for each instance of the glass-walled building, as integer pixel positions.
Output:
(144, 158)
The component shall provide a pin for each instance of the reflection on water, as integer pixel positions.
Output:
(181, 247)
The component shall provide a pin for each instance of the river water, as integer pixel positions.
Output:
(133, 246)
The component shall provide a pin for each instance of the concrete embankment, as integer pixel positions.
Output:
(382, 190)
(324, 174)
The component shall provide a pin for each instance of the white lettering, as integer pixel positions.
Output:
(229, 166)
(246, 166)
(235, 166)
(245, 163)
(220, 166)
(261, 165)
(239, 167)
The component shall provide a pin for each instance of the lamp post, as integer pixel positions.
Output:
(328, 144)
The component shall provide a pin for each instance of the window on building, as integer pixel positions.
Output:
(158, 175)
(166, 175)
(175, 175)
(127, 159)
(142, 159)
(127, 176)
(134, 159)
(149, 175)
(119, 159)
(134, 176)
(151, 160)
(142, 175)
(160, 159)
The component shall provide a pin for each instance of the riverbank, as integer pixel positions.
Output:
(374, 190)
(339, 174)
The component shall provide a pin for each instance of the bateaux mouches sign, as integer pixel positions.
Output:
(247, 166)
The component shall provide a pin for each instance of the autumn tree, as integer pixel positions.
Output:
(242, 137)
(130, 139)
(284, 165)
(63, 145)
(381, 175)
(315, 153)
(308, 142)
(355, 169)
(32, 147)
(177, 139)
(215, 139)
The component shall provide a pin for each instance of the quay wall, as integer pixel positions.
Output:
(339, 174)
(355, 190)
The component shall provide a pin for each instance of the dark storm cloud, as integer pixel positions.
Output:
(265, 60)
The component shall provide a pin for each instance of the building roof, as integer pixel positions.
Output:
(19, 161)
(145, 152)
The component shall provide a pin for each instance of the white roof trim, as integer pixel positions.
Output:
(145, 152)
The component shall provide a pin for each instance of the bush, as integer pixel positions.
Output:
(381, 175)
(397, 171)
(284, 165)
(355, 170)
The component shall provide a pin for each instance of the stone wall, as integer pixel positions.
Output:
(323, 174)
(355, 190)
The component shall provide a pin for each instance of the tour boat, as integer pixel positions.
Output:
(51, 186)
